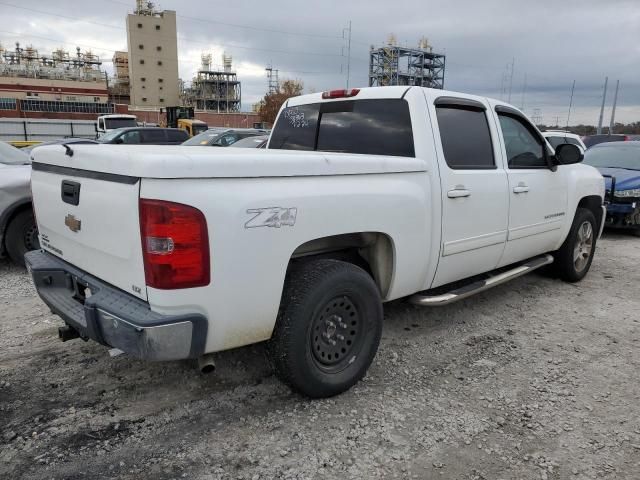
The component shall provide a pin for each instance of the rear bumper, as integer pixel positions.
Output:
(112, 317)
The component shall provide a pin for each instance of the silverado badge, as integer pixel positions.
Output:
(73, 223)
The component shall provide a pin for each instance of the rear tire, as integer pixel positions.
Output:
(328, 327)
(573, 259)
(22, 236)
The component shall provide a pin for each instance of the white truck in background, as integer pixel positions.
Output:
(362, 197)
(106, 123)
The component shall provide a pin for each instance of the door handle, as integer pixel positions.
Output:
(458, 193)
(521, 188)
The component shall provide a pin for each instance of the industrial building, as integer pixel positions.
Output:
(214, 90)
(397, 65)
(120, 87)
(152, 57)
(35, 84)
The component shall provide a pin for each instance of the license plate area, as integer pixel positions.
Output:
(81, 290)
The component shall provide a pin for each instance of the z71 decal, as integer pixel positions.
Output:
(274, 217)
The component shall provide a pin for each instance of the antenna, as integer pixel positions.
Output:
(513, 63)
(571, 102)
(524, 90)
(613, 112)
(348, 30)
(604, 97)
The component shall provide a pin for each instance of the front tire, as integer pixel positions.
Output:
(328, 327)
(22, 236)
(573, 259)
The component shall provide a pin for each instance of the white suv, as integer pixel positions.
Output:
(558, 137)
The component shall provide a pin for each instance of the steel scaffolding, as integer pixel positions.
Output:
(214, 90)
(396, 65)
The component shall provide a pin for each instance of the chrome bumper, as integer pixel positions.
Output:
(113, 317)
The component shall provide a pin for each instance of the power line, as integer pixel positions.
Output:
(185, 39)
(247, 27)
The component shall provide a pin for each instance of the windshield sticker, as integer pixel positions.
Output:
(296, 118)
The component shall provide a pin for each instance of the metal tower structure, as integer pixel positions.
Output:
(272, 79)
(214, 90)
(396, 65)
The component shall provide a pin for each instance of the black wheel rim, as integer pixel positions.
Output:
(30, 238)
(337, 333)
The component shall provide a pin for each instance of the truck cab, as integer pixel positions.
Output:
(192, 126)
(107, 123)
(363, 196)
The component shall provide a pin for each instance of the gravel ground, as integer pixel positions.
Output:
(535, 379)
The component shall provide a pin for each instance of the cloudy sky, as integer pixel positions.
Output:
(553, 43)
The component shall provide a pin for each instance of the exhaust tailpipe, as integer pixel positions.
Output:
(206, 363)
(67, 333)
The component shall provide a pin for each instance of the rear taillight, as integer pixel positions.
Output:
(175, 245)
(340, 93)
(627, 138)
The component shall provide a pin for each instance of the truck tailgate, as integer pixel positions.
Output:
(91, 221)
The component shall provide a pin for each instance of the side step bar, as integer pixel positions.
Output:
(425, 300)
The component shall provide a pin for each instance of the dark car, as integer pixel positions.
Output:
(145, 136)
(619, 164)
(222, 137)
(259, 141)
(591, 140)
(60, 141)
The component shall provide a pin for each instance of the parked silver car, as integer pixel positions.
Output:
(18, 233)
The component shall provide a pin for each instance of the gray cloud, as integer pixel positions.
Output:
(552, 42)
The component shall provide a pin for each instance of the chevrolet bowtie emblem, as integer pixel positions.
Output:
(73, 223)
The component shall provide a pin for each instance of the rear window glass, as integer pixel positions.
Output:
(375, 127)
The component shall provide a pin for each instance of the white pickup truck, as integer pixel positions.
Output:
(362, 197)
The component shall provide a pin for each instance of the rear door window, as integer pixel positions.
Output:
(374, 127)
(154, 136)
(465, 136)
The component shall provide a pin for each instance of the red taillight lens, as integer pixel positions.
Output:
(340, 93)
(175, 245)
(627, 138)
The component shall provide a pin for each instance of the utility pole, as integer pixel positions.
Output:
(348, 30)
(513, 63)
(613, 112)
(570, 103)
(604, 97)
(524, 90)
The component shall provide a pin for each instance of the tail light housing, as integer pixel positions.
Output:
(331, 94)
(175, 245)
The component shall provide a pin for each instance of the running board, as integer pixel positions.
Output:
(423, 300)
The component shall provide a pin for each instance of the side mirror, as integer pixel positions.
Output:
(118, 140)
(568, 154)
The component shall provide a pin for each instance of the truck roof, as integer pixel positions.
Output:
(367, 93)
